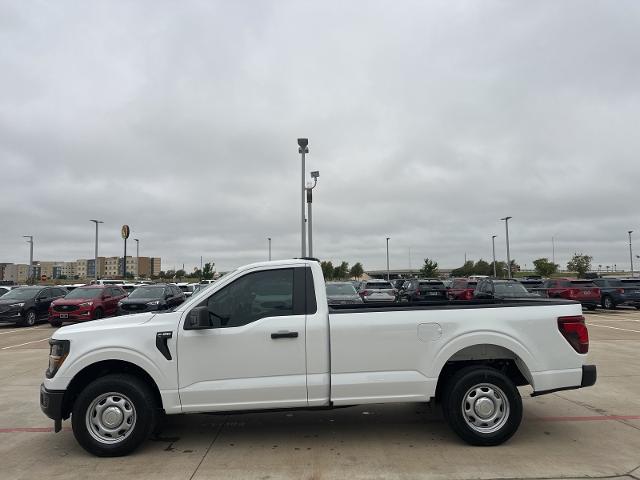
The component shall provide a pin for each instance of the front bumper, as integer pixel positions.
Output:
(589, 377)
(51, 405)
(76, 315)
(10, 316)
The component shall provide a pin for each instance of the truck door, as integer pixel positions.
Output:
(254, 356)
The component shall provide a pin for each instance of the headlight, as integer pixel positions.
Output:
(57, 355)
(155, 302)
(85, 304)
(18, 305)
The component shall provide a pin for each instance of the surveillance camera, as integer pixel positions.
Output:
(315, 174)
(303, 142)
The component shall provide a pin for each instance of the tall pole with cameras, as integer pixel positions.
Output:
(269, 239)
(315, 176)
(30, 242)
(506, 226)
(493, 245)
(388, 238)
(303, 148)
(96, 250)
(630, 252)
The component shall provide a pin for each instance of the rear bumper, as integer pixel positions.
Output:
(589, 377)
(51, 405)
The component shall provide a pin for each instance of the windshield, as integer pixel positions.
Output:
(379, 285)
(340, 289)
(85, 293)
(21, 294)
(510, 290)
(147, 292)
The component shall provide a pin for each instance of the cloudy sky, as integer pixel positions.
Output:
(428, 122)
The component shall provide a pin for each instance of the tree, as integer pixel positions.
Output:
(544, 267)
(464, 271)
(162, 274)
(170, 274)
(580, 263)
(482, 268)
(180, 273)
(357, 270)
(501, 269)
(342, 271)
(429, 269)
(327, 269)
(207, 271)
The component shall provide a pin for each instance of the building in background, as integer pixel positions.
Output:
(16, 273)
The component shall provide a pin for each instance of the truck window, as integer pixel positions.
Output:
(254, 296)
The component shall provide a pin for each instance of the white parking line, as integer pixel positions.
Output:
(28, 329)
(613, 328)
(609, 319)
(26, 343)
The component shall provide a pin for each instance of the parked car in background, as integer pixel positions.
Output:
(502, 289)
(462, 289)
(377, 291)
(583, 291)
(356, 284)
(4, 289)
(90, 302)
(398, 283)
(531, 284)
(419, 290)
(615, 291)
(26, 305)
(145, 298)
(342, 293)
(187, 288)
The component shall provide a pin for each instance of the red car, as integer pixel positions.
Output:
(462, 289)
(90, 302)
(583, 291)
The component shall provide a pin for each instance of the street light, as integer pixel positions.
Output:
(315, 176)
(303, 148)
(493, 245)
(95, 266)
(269, 239)
(30, 242)
(388, 258)
(506, 225)
(630, 252)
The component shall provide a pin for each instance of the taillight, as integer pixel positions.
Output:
(597, 291)
(620, 290)
(364, 293)
(468, 295)
(575, 332)
(574, 292)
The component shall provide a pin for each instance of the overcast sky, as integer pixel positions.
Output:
(428, 122)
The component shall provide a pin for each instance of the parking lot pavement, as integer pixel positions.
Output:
(585, 433)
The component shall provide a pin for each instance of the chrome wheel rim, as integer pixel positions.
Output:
(607, 303)
(111, 418)
(485, 408)
(31, 318)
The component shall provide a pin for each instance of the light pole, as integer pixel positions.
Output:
(303, 148)
(315, 176)
(388, 258)
(553, 250)
(506, 226)
(493, 245)
(269, 239)
(137, 240)
(30, 242)
(96, 250)
(630, 252)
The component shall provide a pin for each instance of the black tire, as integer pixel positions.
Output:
(29, 319)
(98, 314)
(608, 303)
(55, 324)
(591, 308)
(134, 395)
(500, 390)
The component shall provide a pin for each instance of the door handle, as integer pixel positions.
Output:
(277, 335)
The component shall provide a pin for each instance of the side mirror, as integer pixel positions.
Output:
(198, 319)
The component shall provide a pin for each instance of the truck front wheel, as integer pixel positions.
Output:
(113, 415)
(482, 405)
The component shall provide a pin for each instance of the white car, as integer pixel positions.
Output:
(264, 338)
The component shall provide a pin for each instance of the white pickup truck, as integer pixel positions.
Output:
(264, 338)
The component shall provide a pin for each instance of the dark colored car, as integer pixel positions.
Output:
(342, 293)
(502, 289)
(419, 290)
(583, 291)
(462, 289)
(147, 298)
(4, 290)
(90, 302)
(26, 305)
(614, 292)
(531, 284)
(377, 291)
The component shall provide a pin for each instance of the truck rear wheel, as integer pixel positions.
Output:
(113, 415)
(482, 405)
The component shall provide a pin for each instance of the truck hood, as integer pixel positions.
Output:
(106, 324)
